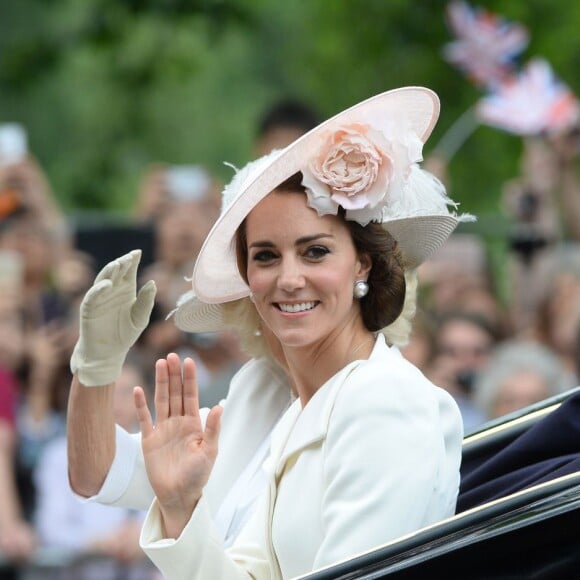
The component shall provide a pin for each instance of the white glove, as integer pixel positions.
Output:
(112, 316)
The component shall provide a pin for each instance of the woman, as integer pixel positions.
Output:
(323, 237)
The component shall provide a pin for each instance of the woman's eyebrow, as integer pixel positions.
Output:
(261, 244)
(299, 241)
(312, 238)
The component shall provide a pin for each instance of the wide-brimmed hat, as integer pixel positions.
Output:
(193, 315)
(365, 160)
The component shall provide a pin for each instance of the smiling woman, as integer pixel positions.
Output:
(318, 239)
(314, 257)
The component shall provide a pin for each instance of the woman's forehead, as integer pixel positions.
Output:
(289, 211)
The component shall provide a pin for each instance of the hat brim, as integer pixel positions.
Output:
(193, 315)
(215, 276)
(421, 236)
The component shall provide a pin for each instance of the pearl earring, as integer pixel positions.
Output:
(257, 332)
(361, 289)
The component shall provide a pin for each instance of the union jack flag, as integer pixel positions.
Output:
(486, 44)
(531, 102)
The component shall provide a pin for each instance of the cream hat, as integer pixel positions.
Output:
(365, 160)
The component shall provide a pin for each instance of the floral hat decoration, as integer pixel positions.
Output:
(365, 160)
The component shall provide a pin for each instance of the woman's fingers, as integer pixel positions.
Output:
(212, 428)
(161, 390)
(175, 385)
(176, 392)
(190, 390)
(143, 414)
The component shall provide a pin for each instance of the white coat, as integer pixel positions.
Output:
(374, 455)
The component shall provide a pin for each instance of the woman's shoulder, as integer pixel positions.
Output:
(387, 379)
(388, 365)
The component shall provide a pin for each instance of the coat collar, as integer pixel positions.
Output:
(301, 427)
(259, 388)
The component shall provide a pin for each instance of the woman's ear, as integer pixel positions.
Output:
(364, 266)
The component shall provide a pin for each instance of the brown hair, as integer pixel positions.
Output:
(384, 302)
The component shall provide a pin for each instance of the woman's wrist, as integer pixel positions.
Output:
(175, 518)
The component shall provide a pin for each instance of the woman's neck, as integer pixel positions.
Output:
(313, 365)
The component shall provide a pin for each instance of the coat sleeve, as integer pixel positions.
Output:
(126, 484)
(198, 553)
(388, 484)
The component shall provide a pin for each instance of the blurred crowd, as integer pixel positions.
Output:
(496, 344)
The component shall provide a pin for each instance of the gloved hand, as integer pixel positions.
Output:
(112, 316)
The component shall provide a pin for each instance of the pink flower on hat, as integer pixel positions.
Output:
(355, 168)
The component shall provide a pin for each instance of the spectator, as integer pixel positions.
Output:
(42, 400)
(556, 158)
(23, 185)
(283, 123)
(17, 539)
(543, 204)
(71, 277)
(11, 300)
(519, 374)
(180, 232)
(463, 345)
(34, 345)
(66, 522)
(557, 322)
(458, 277)
(32, 240)
(166, 186)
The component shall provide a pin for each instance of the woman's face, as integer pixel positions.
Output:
(301, 270)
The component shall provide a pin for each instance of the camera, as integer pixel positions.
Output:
(13, 149)
(525, 242)
(528, 206)
(188, 182)
(13, 143)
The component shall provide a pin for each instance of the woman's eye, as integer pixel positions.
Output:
(317, 252)
(264, 256)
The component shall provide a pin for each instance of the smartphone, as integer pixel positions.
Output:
(13, 143)
(11, 275)
(188, 182)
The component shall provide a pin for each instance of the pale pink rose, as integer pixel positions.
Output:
(363, 168)
(355, 171)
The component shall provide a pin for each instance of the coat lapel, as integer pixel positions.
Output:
(260, 389)
(300, 428)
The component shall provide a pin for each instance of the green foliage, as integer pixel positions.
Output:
(106, 87)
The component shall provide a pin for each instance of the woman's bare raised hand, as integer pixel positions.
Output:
(179, 452)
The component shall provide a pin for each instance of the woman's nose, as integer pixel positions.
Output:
(290, 276)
